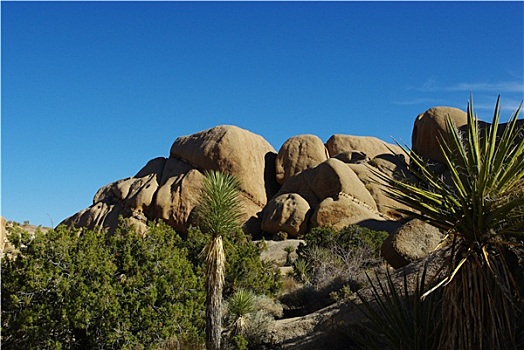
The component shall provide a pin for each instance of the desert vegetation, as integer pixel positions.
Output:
(72, 288)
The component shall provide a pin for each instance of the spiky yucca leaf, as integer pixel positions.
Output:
(220, 209)
(397, 319)
(480, 205)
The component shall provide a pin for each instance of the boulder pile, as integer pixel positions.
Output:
(306, 184)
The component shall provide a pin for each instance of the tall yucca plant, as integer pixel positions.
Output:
(480, 206)
(219, 212)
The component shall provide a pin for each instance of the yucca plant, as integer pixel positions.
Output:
(481, 207)
(301, 271)
(241, 305)
(398, 318)
(218, 213)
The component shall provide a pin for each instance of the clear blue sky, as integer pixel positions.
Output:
(93, 90)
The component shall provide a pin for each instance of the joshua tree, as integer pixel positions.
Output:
(219, 212)
(481, 207)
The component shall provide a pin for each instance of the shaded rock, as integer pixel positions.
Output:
(233, 150)
(413, 241)
(287, 212)
(344, 211)
(297, 154)
(352, 157)
(362, 146)
(98, 215)
(178, 194)
(430, 128)
(390, 166)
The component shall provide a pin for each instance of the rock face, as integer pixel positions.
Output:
(321, 185)
(413, 241)
(328, 179)
(430, 128)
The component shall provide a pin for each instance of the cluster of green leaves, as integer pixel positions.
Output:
(347, 239)
(68, 288)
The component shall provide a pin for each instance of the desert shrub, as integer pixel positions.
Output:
(80, 288)
(84, 289)
(331, 265)
(330, 255)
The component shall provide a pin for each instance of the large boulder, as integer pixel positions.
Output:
(412, 241)
(343, 211)
(169, 189)
(360, 147)
(431, 129)
(287, 212)
(245, 155)
(328, 179)
(297, 154)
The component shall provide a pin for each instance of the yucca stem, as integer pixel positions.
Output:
(215, 265)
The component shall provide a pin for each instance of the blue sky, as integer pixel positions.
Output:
(93, 90)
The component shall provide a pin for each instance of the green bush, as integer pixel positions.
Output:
(347, 239)
(69, 288)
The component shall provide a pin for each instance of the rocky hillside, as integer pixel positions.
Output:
(307, 183)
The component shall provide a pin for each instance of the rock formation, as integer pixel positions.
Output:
(297, 154)
(305, 184)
